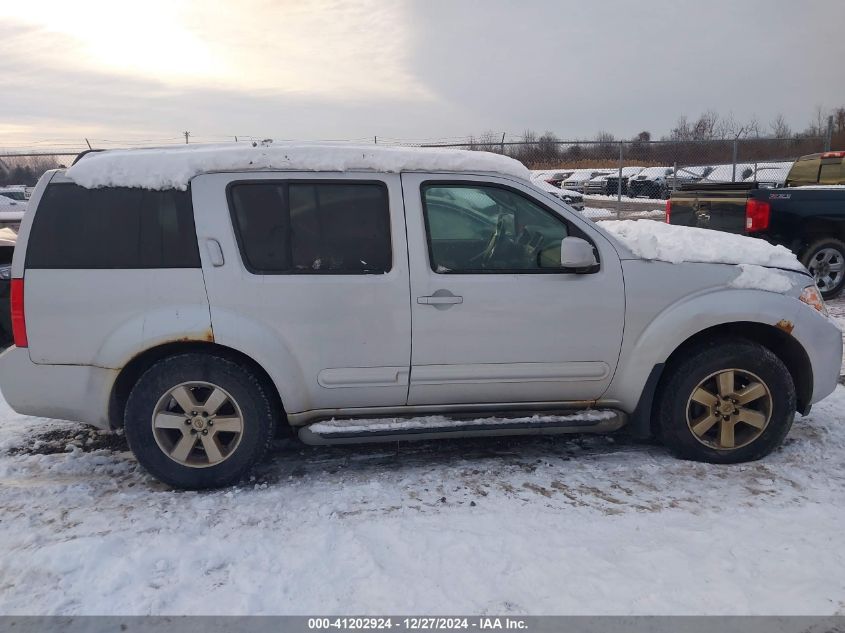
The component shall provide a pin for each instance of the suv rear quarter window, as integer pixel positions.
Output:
(112, 228)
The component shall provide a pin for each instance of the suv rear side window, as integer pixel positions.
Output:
(312, 226)
(111, 228)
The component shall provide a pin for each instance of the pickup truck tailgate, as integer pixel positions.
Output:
(718, 206)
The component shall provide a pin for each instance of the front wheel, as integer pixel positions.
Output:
(726, 402)
(199, 421)
(825, 259)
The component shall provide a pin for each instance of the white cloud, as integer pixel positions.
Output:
(329, 48)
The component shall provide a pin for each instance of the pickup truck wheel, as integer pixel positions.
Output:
(727, 402)
(199, 421)
(825, 259)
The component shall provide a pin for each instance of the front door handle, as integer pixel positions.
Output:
(436, 301)
(440, 298)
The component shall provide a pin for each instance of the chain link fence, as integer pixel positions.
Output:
(627, 179)
(632, 178)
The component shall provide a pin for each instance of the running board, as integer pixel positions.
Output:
(432, 427)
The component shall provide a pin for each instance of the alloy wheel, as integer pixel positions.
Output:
(197, 424)
(828, 267)
(729, 409)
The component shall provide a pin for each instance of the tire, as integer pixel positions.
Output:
(678, 413)
(825, 259)
(185, 450)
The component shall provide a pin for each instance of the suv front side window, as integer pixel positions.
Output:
(485, 229)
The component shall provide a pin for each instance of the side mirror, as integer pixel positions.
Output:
(578, 255)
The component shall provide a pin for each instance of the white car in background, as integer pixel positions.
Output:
(572, 198)
(14, 192)
(11, 213)
(580, 177)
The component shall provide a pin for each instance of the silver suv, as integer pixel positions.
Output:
(203, 298)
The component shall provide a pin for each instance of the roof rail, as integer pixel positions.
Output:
(82, 155)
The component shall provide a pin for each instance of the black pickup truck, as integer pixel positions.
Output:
(807, 215)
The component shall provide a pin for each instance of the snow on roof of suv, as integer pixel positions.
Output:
(174, 167)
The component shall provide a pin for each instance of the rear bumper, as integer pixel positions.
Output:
(66, 392)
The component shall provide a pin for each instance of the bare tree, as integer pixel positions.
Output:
(605, 141)
(704, 129)
(548, 147)
(730, 128)
(839, 120)
(780, 128)
(682, 130)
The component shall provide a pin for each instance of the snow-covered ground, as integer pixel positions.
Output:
(600, 213)
(563, 525)
(613, 199)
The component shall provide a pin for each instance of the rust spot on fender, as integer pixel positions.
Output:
(786, 326)
(206, 335)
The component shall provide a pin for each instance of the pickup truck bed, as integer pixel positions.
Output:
(810, 221)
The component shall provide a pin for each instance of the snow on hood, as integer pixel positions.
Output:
(174, 167)
(676, 244)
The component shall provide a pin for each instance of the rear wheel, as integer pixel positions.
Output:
(199, 421)
(825, 259)
(726, 402)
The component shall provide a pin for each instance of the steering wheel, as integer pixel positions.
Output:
(495, 241)
(532, 242)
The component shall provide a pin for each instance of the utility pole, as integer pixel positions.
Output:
(619, 181)
(187, 134)
(828, 137)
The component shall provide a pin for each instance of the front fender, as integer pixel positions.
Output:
(651, 344)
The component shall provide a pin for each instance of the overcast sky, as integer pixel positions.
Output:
(331, 69)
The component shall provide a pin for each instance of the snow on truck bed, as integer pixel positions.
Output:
(173, 167)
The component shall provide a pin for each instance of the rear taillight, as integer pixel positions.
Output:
(668, 211)
(757, 215)
(18, 317)
(833, 155)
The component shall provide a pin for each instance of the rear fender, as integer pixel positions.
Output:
(267, 348)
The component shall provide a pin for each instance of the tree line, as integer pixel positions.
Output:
(25, 170)
(708, 139)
